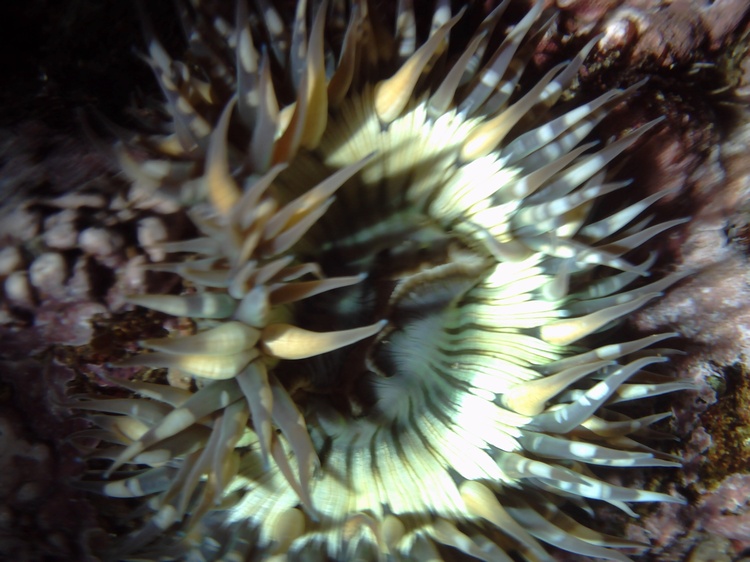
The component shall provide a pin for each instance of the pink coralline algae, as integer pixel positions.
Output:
(42, 515)
(712, 311)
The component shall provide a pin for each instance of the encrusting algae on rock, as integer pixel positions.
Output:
(397, 270)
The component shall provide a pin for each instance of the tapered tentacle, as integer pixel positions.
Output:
(403, 249)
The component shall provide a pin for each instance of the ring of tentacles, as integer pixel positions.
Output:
(396, 279)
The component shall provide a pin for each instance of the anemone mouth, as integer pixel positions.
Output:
(394, 289)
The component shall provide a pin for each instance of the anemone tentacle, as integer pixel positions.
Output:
(398, 273)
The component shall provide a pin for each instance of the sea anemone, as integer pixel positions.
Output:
(399, 270)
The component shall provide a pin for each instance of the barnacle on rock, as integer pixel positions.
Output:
(396, 275)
